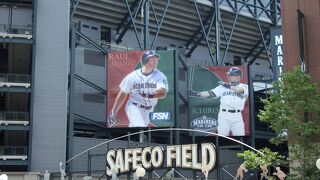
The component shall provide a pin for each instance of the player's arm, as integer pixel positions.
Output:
(121, 97)
(207, 94)
(239, 90)
(203, 94)
(160, 93)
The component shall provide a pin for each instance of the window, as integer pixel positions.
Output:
(95, 98)
(94, 58)
(237, 60)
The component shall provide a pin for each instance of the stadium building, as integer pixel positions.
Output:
(54, 78)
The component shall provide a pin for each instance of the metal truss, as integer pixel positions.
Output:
(255, 10)
(266, 12)
(130, 19)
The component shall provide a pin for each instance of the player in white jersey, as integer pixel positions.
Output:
(144, 87)
(233, 96)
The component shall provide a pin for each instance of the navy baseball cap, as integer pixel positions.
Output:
(147, 54)
(234, 71)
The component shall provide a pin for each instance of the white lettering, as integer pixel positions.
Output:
(119, 161)
(186, 156)
(136, 158)
(208, 156)
(185, 150)
(280, 62)
(157, 156)
(278, 39)
(171, 154)
(195, 163)
(279, 51)
(110, 160)
(146, 164)
(128, 160)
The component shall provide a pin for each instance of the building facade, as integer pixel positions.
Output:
(53, 73)
(301, 37)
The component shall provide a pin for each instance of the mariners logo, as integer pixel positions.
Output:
(204, 123)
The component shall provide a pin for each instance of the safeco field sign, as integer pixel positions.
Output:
(179, 156)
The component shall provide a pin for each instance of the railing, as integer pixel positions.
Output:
(14, 117)
(13, 152)
(14, 80)
(260, 76)
(16, 29)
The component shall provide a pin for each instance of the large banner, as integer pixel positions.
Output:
(276, 52)
(218, 100)
(140, 89)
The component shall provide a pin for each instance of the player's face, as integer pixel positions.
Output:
(233, 79)
(153, 62)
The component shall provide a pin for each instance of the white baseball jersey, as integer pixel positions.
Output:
(135, 84)
(229, 99)
(231, 105)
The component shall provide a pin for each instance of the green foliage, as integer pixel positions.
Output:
(294, 104)
(253, 160)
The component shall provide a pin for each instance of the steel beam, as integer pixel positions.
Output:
(132, 20)
(258, 54)
(205, 32)
(217, 28)
(199, 29)
(266, 34)
(146, 24)
(127, 15)
(231, 33)
(86, 119)
(15, 127)
(16, 40)
(15, 89)
(91, 42)
(89, 83)
(74, 6)
(15, 162)
(161, 21)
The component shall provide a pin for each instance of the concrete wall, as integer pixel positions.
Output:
(49, 123)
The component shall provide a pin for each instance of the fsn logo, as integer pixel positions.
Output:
(160, 115)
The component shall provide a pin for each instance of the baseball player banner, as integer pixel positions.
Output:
(219, 104)
(140, 86)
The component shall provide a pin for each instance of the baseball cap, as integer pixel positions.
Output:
(150, 53)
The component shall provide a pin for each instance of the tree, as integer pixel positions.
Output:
(254, 160)
(294, 104)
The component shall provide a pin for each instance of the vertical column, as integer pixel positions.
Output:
(217, 28)
(49, 123)
(146, 25)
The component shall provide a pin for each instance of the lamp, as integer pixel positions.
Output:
(3, 177)
(140, 172)
(318, 163)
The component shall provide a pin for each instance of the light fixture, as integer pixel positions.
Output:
(140, 172)
(3, 177)
(318, 163)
